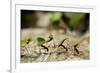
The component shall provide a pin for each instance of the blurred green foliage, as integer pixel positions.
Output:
(55, 16)
(72, 19)
(75, 18)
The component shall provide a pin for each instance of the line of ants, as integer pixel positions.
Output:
(60, 45)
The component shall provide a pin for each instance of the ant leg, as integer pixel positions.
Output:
(45, 47)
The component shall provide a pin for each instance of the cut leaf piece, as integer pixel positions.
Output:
(40, 41)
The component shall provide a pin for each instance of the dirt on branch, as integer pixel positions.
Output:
(63, 47)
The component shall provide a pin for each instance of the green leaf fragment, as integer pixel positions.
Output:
(26, 41)
(75, 18)
(23, 42)
(76, 45)
(40, 41)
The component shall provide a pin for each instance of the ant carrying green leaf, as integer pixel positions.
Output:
(26, 41)
(42, 41)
